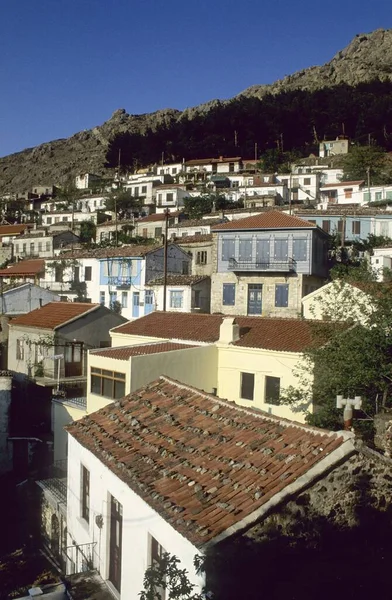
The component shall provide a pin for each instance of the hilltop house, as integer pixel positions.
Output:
(264, 264)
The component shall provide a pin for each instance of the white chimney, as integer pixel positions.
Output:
(229, 331)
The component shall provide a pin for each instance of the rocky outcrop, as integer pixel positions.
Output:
(367, 57)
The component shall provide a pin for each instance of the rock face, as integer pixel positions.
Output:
(367, 57)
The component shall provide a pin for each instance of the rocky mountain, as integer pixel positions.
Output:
(366, 58)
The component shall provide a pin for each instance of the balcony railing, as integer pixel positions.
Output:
(120, 282)
(286, 266)
(80, 558)
(57, 487)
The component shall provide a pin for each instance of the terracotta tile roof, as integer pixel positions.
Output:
(54, 314)
(125, 352)
(282, 335)
(342, 183)
(157, 217)
(204, 464)
(268, 220)
(178, 280)
(24, 267)
(113, 223)
(197, 222)
(194, 239)
(12, 229)
(202, 161)
(126, 251)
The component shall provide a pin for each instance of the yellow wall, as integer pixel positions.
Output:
(95, 402)
(193, 366)
(196, 366)
(233, 360)
(119, 339)
(63, 414)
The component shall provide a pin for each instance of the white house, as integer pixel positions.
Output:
(170, 196)
(333, 147)
(172, 469)
(85, 181)
(345, 192)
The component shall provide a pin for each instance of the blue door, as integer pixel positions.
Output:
(255, 293)
(135, 304)
(148, 302)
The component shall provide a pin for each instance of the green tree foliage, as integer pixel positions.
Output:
(362, 159)
(357, 358)
(122, 202)
(168, 576)
(87, 231)
(196, 207)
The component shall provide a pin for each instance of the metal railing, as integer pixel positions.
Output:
(57, 486)
(80, 558)
(287, 265)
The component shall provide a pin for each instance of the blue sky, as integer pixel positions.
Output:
(66, 65)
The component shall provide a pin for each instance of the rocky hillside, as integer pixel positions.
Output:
(367, 57)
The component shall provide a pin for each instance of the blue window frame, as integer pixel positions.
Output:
(300, 249)
(228, 248)
(281, 295)
(228, 298)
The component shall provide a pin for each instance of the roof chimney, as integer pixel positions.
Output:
(229, 331)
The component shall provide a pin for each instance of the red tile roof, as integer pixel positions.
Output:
(157, 217)
(282, 335)
(12, 229)
(342, 183)
(204, 464)
(125, 352)
(126, 251)
(178, 280)
(194, 239)
(24, 267)
(268, 220)
(54, 314)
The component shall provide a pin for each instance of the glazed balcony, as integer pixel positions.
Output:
(269, 266)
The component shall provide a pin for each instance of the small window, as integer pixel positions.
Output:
(58, 274)
(156, 555)
(281, 295)
(247, 386)
(76, 273)
(85, 494)
(124, 299)
(272, 390)
(176, 298)
(307, 181)
(102, 298)
(47, 246)
(144, 189)
(201, 257)
(87, 273)
(356, 227)
(228, 248)
(348, 193)
(19, 349)
(300, 249)
(228, 296)
(158, 232)
(169, 197)
(326, 225)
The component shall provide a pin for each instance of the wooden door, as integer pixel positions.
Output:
(115, 543)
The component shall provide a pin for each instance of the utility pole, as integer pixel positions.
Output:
(115, 219)
(256, 151)
(235, 139)
(368, 182)
(165, 259)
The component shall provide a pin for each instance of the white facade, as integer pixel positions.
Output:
(66, 217)
(140, 524)
(346, 192)
(170, 197)
(381, 261)
(85, 180)
(333, 147)
(377, 193)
